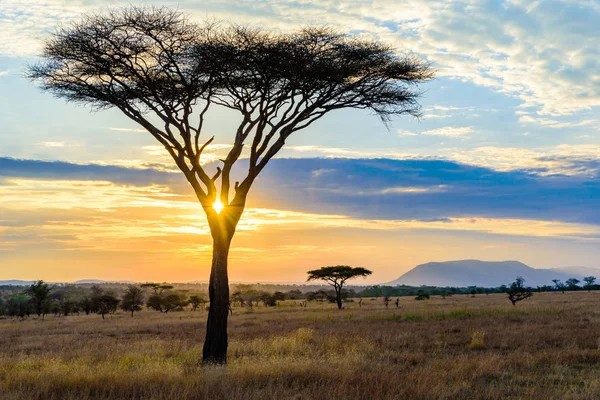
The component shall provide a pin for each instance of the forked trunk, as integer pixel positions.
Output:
(215, 345)
(222, 228)
(338, 297)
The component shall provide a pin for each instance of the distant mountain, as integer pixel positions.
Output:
(580, 271)
(480, 273)
(15, 283)
(98, 281)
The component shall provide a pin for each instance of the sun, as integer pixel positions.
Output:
(218, 206)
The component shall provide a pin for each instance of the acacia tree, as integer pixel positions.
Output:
(40, 295)
(572, 283)
(165, 73)
(337, 276)
(133, 299)
(559, 285)
(589, 282)
(518, 291)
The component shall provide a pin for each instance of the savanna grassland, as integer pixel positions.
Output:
(454, 348)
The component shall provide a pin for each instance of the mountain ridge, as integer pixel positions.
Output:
(461, 273)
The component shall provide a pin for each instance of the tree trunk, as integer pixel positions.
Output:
(338, 297)
(215, 345)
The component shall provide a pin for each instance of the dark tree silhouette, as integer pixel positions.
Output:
(572, 283)
(559, 285)
(589, 282)
(107, 304)
(167, 302)
(165, 73)
(157, 288)
(133, 299)
(337, 277)
(517, 291)
(40, 295)
(197, 301)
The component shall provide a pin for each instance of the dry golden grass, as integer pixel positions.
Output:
(546, 347)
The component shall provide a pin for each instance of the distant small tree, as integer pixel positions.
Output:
(86, 304)
(133, 299)
(572, 283)
(422, 295)
(18, 305)
(197, 301)
(589, 282)
(517, 291)
(279, 296)
(167, 302)
(337, 276)
(157, 288)
(559, 285)
(107, 304)
(40, 294)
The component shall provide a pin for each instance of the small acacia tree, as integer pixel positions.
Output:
(589, 282)
(40, 295)
(165, 73)
(133, 299)
(107, 304)
(337, 277)
(559, 285)
(518, 291)
(573, 283)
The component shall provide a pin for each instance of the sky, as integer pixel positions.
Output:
(503, 165)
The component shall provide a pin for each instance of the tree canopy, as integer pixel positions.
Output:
(154, 61)
(337, 276)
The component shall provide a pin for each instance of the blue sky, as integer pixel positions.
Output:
(509, 140)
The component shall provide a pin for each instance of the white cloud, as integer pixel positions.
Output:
(544, 53)
(51, 144)
(450, 131)
(402, 132)
(128, 130)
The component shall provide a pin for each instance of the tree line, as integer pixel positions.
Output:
(42, 299)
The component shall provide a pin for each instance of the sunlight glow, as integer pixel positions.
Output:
(218, 206)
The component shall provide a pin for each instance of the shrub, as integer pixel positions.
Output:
(477, 340)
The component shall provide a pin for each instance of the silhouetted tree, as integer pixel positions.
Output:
(517, 291)
(559, 285)
(86, 304)
(133, 299)
(165, 73)
(107, 304)
(157, 288)
(589, 282)
(167, 302)
(40, 294)
(337, 276)
(572, 283)
(197, 301)
(422, 295)
(18, 305)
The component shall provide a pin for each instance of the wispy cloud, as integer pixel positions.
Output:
(450, 131)
(51, 144)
